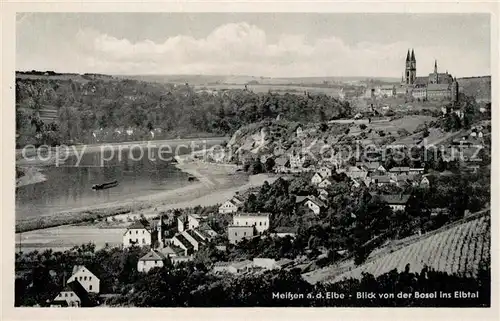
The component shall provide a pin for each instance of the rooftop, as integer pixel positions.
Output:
(137, 225)
(252, 214)
(153, 256)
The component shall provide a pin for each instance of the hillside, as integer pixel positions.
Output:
(198, 80)
(459, 248)
(478, 87)
(97, 108)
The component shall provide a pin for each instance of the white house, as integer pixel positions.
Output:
(325, 171)
(323, 194)
(312, 203)
(425, 182)
(137, 234)
(316, 179)
(189, 221)
(297, 161)
(72, 295)
(325, 183)
(87, 279)
(259, 220)
(151, 260)
(231, 206)
(396, 202)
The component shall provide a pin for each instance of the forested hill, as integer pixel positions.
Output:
(83, 106)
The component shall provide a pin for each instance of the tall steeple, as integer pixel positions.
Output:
(435, 66)
(408, 55)
(413, 56)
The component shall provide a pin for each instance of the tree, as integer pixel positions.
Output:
(269, 164)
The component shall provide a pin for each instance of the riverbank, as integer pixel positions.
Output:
(216, 183)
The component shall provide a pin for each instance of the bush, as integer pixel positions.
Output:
(362, 126)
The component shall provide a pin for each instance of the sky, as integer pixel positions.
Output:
(253, 44)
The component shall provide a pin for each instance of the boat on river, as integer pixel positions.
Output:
(105, 185)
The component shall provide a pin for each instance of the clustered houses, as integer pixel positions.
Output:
(193, 232)
(75, 292)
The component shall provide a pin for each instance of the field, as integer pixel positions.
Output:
(458, 249)
(60, 238)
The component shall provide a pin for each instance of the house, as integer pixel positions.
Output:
(193, 238)
(402, 180)
(87, 279)
(180, 259)
(356, 172)
(281, 164)
(231, 206)
(297, 161)
(417, 171)
(283, 231)
(259, 220)
(439, 211)
(151, 260)
(73, 294)
(171, 251)
(237, 233)
(372, 167)
(323, 194)
(311, 202)
(232, 267)
(203, 234)
(425, 182)
(317, 178)
(180, 241)
(325, 171)
(325, 183)
(380, 180)
(356, 182)
(400, 170)
(188, 221)
(265, 263)
(137, 234)
(397, 202)
(299, 131)
(223, 267)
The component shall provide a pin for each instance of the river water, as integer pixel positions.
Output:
(68, 185)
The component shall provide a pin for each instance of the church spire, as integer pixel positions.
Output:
(413, 56)
(408, 55)
(435, 66)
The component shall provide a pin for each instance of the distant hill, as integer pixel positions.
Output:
(478, 87)
(200, 80)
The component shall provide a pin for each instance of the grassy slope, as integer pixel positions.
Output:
(455, 248)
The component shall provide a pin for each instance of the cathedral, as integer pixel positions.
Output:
(435, 86)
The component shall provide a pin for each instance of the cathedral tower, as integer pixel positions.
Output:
(410, 68)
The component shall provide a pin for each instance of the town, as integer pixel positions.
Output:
(342, 187)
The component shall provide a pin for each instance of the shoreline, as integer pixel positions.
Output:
(216, 183)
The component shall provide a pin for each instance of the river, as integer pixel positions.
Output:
(68, 184)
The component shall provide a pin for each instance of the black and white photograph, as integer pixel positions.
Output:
(252, 159)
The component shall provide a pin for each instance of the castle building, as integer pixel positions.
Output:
(435, 86)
